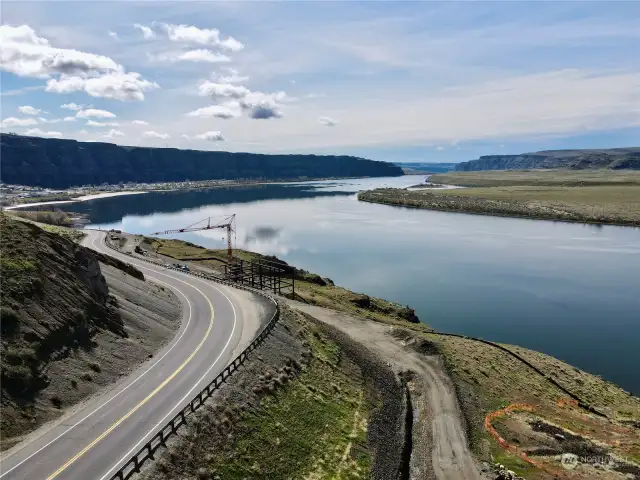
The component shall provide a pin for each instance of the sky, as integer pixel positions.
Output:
(387, 80)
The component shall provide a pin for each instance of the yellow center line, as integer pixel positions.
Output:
(146, 399)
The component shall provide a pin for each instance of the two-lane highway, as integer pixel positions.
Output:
(94, 441)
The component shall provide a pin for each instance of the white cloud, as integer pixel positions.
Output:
(259, 105)
(57, 120)
(225, 90)
(74, 106)
(29, 110)
(190, 34)
(147, 33)
(202, 55)
(215, 111)
(440, 148)
(36, 132)
(25, 54)
(113, 34)
(118, 85)
(327, 121)
(213, 136)
(113, 133)
(93, 123)
(139, 122)
(95, 113)
(152, 134)
(18, 122)
(232, 77)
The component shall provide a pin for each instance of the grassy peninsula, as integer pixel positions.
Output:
(590, 196)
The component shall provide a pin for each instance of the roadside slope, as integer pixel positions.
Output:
(70, 325)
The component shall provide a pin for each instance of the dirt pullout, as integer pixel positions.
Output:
(439, 443)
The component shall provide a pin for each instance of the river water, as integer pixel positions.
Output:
(569, 290)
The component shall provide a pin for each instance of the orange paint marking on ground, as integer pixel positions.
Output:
(512, 448)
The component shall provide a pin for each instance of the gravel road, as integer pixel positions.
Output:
(440, 448)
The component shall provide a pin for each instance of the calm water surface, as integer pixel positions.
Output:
(569, 290)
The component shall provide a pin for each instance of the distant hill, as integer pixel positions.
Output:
(58, 163)
(425, 167)
(615, 158)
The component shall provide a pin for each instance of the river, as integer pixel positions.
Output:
(569, 290)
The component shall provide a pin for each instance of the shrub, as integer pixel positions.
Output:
(9, 321)
(57, 401)
(95, 367)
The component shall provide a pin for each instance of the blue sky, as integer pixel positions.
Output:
(414, 81)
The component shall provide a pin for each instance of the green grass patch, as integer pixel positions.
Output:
(315, 427)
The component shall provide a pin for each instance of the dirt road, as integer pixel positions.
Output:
(439, 448)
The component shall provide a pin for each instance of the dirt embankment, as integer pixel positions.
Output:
(70, 325)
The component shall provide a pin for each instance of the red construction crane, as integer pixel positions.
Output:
(228, 223)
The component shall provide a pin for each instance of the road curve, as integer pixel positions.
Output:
(92, 442)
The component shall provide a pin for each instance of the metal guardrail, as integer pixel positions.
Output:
(159, 440)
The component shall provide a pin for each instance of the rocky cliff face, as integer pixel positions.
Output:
(615, 158)
(57, 163)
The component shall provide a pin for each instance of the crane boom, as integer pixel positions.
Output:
(227, 224)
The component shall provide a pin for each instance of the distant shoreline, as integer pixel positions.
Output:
(82, 198)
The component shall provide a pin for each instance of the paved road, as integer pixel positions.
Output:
(94, 441)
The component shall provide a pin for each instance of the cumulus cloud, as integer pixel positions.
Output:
(18, 122)
(93, 123)
(147, 33)
(74, 106)
(327, 121)
(215, 111)
(118, 85)
(213, 136)
(113, 133)
(36, 132)
(210, 37)
(152, 134)
(95, 113)
(225, 90)
(139, 122)
(29, 110)
(26, 54)
(258, 105)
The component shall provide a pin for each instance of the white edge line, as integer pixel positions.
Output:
(125, 388)
(161, 422)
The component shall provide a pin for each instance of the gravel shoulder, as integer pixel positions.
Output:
(439, 443)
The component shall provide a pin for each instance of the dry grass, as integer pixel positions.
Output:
(618, 205)
(595, 196)
(488, 379)
(501, 178)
